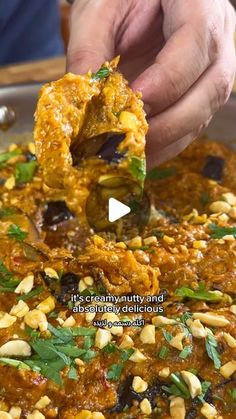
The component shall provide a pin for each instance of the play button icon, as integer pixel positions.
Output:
(116, 210)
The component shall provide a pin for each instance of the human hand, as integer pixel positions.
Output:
(179, 53)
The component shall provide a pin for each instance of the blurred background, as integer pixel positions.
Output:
(34, 36)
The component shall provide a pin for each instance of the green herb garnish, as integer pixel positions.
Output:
(24, 172)
(30, 294)
(186, 352)
(15, 232)
(114, 372)
(125, 354)
(164, 352)
(158, 233)
(218, 232)
(167, 335)
(232, 393)
(200, 294)
(109, 348)
(6, 212)
(137, 168)
(161, 173)
(205, 198)
(102, 73)
(4, 157)
(178, 388)
(72, 374)
(211, 348)
(14, 363)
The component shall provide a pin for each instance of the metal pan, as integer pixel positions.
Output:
(23, 98)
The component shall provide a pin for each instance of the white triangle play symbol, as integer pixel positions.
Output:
(116, 210)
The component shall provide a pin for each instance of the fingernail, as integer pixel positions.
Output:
(147, 109)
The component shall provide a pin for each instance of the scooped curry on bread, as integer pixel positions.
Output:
(57, 362)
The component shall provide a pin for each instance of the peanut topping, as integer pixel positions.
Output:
(193, 383)
(228, 369)
(177, 408)
(139, 385)
(208, 411)
(211, 319)
(25, 285)
(147, 334)
(176, 341)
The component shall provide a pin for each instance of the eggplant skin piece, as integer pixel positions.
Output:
(126, 394)
(213, 168)
(55, 213)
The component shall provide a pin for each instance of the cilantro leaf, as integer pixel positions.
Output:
(211, 348)
(186, 352)
(218, 232)
(24, 172)
(72, 374)
(164, 352)
(30, 294)
(4, 157)
(167, 335)
(109, 348)
(15, 232)
(114, 372)
(102, 73)
(14, 363)
(137, 168)
(161, 173)
(200, 294)
(125, 354)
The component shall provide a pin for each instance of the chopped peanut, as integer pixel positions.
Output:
(43, 402)
(176, 341)
(47, 305)
(51, 273)
(15, 412)
(112, 318)
(192, 382)
(102, 338)
(20, 309)
(208, 411)
(147, 334)
(34, 317)
(161, 321)
(164, 372)
(228, 369)
(137, 356)
(15, 348)
(230, 340)
(139, 385)
(6, 320)
(25, 285)
(177, 408)
(211, 319)
(69, 322)
(146, 407)
(127, 342)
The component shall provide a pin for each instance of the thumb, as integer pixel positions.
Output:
(91, 40)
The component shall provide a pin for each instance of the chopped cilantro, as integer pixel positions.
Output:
(102, 73)
(211, 348)
(200, 294)
(186, 352)
(205, 198)
(218, 232)
(137, 168)
(14, 363)
(161, 173)
(232, 393)
(114, 372)
(167, 335)
(4, 157)
(205, 386)
(164, 352)
(30, 294)
(72, 374)
(24, 172)
(15, 232)
(158, 233)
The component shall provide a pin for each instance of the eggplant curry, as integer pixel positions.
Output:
(114, 324)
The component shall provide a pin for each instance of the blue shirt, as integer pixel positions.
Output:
(29, 30)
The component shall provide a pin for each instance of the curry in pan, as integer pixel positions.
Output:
(129, 323)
